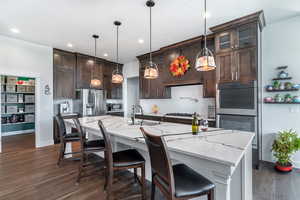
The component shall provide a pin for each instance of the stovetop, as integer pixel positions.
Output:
(180, 114)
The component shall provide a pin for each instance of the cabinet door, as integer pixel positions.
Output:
(246, 64)
(83, 72)
(246, 36)
(209, 84)
(64, 75)
(225, 67)
(224, 41)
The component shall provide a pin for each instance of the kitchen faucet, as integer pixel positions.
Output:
(134, 108)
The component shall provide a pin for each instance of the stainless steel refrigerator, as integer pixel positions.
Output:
(90, 102)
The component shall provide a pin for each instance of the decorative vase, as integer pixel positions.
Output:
(296, 99)
(281, 86)
(283, 74)
(269, 87)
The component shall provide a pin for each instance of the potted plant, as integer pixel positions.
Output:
(284, 146)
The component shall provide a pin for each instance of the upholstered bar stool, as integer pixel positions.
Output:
(65, 138)
(178, 182)
(122, 160)
(88, 148)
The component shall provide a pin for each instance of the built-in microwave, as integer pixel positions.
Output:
(237, 98)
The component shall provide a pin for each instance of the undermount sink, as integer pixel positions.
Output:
(146, 123)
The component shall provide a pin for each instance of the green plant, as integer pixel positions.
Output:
(285, 145)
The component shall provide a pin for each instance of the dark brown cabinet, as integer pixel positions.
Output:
(113, 91)
(155, 88)
(236, 52)
(64, 69)
(209, 84)
(87, 69)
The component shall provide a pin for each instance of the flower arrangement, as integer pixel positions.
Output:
(179, 66)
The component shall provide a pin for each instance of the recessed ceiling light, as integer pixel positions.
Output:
(105, 54)
(206, 15)
(70, 45)
(141, 41)
(15, 30)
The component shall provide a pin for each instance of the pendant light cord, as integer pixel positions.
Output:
(117, 48)
(151, 34)
(205, 16)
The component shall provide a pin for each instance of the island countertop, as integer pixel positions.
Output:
(222, 146)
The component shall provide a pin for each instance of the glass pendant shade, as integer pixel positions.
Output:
(151, 71)
(95, 82)
(205, 61)
(117, 77)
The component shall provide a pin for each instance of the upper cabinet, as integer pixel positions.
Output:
(153, 89)
(74, 71)
(64, 70)
(86, 70)
(113, 91)
(236, 45)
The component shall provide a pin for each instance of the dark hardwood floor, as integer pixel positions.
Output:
(27, 173)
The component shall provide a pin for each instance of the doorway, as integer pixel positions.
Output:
(132, 93)
(17, 113)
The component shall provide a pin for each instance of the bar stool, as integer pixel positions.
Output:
(178, 182)
(122, 160)
(88, 148)
(65, 138)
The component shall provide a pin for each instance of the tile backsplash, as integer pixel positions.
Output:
(185, 99)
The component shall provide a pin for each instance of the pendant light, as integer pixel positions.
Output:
(94, 81)
(117, 76)
(151, 70)
(205, 59)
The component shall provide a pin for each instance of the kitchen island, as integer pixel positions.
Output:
(223, 156)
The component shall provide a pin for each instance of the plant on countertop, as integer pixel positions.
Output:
(284, 146)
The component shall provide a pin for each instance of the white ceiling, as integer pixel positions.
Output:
(58, 22)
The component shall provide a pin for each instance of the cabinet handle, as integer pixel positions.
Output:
(157, 92)
(236, 75)
(231, 75)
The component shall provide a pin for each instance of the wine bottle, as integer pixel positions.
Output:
(195, 125)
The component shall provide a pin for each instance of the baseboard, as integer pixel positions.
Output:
(296, 164)
(17, 132)
(44, 143)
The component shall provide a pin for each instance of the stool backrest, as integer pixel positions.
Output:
(81, 133)
(160, 160)
(61, 126)
(108, 147)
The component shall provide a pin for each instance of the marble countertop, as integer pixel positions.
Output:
(172, 116)
(223, 146)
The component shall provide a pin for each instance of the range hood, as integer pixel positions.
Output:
(174, 83)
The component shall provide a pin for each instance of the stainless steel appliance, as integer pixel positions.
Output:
(114, 107)
(237, 109)
(237, 98)
(90, 102)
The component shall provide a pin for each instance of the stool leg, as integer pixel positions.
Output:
(80, 169)
(61, 152)
(135, 175)
(143, 176)
(152, 190)
(210, 195)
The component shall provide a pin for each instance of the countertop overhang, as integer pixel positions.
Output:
(217, 145)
